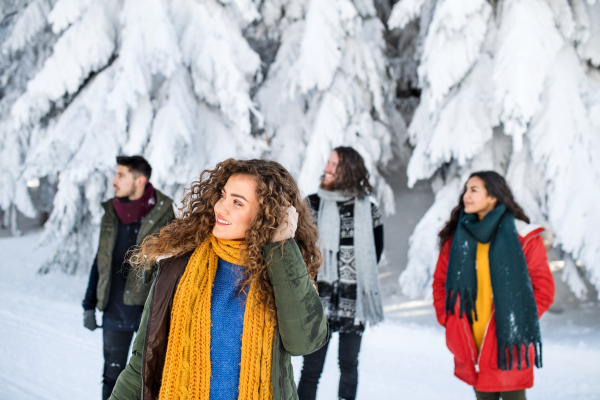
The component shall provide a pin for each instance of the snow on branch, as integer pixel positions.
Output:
(459, 131)
(148, 50)
(565, 144)
(326, 27)
(403, 12)
(572, 277)
(78, 145)
(29, 23)
(287, 119)
(85, 47)
(564, 18)
(453, 45)
(589, 17)
(528, 42)
(67, 12)
(174, 151)
(245, 8)
(224, 67)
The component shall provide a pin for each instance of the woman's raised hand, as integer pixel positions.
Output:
(287, 228)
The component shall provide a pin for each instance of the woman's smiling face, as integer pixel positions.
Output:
(236, 208)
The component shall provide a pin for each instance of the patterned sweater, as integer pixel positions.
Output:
(227, 317)
(339, 298)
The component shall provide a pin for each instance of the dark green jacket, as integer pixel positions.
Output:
(135, 291)
(301, 325)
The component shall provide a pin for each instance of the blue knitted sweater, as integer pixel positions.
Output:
(227, 317)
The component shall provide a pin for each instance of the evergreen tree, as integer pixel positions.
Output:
(510, 86)
(185, 83)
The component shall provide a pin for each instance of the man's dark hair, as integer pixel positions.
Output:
(352, 175)
(136, 164)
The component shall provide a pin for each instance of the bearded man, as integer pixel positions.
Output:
(351, 241)
(137, 210)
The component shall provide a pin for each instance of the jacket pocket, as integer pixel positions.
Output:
(456, 340)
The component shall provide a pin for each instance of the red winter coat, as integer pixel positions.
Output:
(480, 370)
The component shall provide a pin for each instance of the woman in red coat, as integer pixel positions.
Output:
(491, 285)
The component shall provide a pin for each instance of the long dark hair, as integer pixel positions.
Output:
(352, 175)
(496, 187)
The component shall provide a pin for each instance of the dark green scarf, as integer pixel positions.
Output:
(516, 312)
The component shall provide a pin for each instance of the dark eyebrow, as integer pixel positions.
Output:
(236, 195)
(239, 196)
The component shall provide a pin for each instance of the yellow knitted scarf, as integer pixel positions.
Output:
(186, 373)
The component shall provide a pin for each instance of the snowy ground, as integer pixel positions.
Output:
(45, 353)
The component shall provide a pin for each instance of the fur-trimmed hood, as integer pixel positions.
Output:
(532, 230)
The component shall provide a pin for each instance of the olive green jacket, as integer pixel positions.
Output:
(301, 327)
(135, 291)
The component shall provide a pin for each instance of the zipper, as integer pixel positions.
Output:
(469, 343)
(476, 363)
(483, 341)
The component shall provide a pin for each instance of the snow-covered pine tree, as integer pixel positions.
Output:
(510, 86)
(117, 82)
(25, 42)
(330, 86)
(188, 83)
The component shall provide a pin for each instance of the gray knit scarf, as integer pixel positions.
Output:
(368, 294)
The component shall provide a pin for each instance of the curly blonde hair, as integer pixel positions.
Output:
(275, 190)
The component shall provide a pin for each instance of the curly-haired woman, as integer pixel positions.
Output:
(232, 298)
(491, 284)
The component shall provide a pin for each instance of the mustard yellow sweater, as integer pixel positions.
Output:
(485, 299)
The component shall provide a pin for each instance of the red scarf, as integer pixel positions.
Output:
(132, 211)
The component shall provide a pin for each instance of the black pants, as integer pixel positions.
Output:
(512, 395)
(116, 349)
(348, 360)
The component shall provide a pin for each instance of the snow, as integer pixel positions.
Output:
(528, 41)
(46, 352)
(587, 15)
(71, 62)
(221, 61)
(185, 84)
(510, 85)
(31, 21)
(66, 12)
(456, 34)
(327, 24)
(513, 91)
(310, 107)
(404, 12)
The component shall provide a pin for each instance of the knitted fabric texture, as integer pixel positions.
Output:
(369, 306)
(227, 317)
(187, 370)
